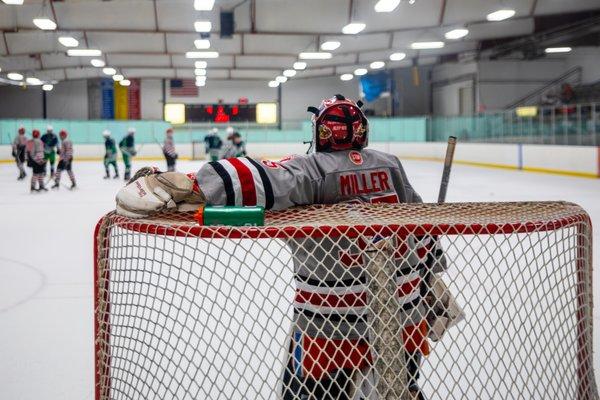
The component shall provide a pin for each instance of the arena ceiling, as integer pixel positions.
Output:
(150, 38)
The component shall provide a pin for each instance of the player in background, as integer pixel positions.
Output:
(66, 159)
(19, 147)
(169, 150)
(50, 145)
(37, 161)
(110, 155)
(127, 147)
(213, 144)
(329, 347)
(237, 147)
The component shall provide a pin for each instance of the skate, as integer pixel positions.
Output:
(127, 176)
(106, 176)
(73, 186)
(56, 185)
(116, 176)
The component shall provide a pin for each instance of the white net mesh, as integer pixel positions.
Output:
(408, 301)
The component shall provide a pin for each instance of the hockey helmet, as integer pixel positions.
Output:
(49, 128)
(230, 130)
(106, 133)
(35, 133)
(214, 131)
(339, 124)
(62, 134)
(131, 130)
(21, 130)
(170, 132)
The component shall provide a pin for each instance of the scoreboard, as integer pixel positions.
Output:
(220, 113)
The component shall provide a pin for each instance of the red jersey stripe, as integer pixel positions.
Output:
(246, 180)
(332, 300)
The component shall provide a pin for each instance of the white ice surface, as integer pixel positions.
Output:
(46, 344)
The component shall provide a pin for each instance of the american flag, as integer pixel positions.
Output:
(183, 88)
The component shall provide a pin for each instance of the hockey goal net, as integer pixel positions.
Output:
(335, 302)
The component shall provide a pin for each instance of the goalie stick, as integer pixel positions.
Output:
(390, 364)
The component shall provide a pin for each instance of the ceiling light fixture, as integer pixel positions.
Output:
(200, 72)
(501, 15)
(318, 55)
(360, 71)
(456, 33)
(118, 77)
(281, 79)
(330, 45)
(426, 45)
(204, 5)
(377, 65)
(346, 77)
(200, 64)
(289, 72)
(68, 41)
(397, 56)
(109, 71)
(47, 87)
(202, 54)
(202, 44)
(353, 28)
(273, 84)
(15, 76)
(202, 26)
(13, 2)
(125, 82)
(84, 52)
(96, 62)
(550, 50)
(386, 5)
(33, 81)
(45, 24)
(200, 83)
(300, 65)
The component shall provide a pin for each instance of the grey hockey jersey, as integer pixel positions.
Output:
(331, 294)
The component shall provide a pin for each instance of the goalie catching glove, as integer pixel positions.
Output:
(151, 191)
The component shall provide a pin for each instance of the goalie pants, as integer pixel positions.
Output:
(342, 384)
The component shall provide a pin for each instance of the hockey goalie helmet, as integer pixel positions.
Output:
(21, 130)
(339, 124)
(35, 133)
(62, 134)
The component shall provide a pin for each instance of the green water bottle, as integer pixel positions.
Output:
(230, 216)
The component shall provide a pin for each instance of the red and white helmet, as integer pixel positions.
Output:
(339, 124)
(35, 133)
(21, 130)
(62, 134)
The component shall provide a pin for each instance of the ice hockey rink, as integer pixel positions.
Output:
(46, 281)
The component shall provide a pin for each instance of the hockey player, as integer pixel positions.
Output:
(127, 147)
(19, 147)
(66, 159)
(50, 145)
(237, 147)
(110, 155)
(169, 150)
(330, 345)
(37, 161)
(213, 144)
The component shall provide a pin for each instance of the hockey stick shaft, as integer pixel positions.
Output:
(447, 168)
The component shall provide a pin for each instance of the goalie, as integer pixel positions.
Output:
(329, 355)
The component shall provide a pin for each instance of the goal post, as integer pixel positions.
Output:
(294, 308)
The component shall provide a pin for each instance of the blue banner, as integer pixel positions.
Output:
(373, 85)
(108, 99)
